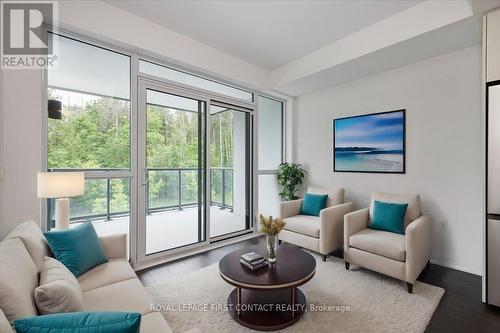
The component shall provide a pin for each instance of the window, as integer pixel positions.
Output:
(229, 170)
(270, 133)
(194, 81)
(93, 85)
(156, 155)
(92, 132)
(270, 153)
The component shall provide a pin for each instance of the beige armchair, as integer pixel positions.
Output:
(321, 234)
(400, 256)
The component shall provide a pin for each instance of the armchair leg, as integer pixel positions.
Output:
(280, 241)
(410, 287)
(324, 257)
(346, 265)
(428, 264)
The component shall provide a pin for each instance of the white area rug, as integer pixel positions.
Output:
(377, 303)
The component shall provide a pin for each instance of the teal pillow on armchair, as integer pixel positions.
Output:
(388, 216)
(78, 248)
(313, 204)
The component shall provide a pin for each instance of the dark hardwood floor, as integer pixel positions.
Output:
(460, 310)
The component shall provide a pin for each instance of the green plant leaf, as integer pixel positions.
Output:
(290, 177)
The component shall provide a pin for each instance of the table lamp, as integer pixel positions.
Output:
(61, 186)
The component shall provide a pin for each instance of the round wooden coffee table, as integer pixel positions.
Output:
(268, 298)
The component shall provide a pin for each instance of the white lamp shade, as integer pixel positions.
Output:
(60, 184)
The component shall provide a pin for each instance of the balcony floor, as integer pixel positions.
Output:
(174, 228)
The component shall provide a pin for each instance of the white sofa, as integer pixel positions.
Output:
(401, 256)
(112, 286)
(322, 234)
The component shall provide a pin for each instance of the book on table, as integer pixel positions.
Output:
(253, 260)
(252, 257)
(254, 267)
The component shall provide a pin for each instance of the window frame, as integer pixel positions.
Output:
(98, 173)
(90, 173)
(283, 132)
(133, 173)
(197, 75)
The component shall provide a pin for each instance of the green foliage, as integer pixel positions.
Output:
(221, 139)
(290, 177)
(95, 134)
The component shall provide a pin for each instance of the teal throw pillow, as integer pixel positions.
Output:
(313, 204)
(388, 216)
(77, 248)
(81, 322)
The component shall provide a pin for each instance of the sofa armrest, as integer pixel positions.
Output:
(331, 231)
(354, 222)
(115, 246)
(290, 208)
(418, 242)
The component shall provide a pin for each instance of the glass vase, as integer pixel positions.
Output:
(271, 247)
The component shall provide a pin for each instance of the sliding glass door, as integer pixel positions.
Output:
(229, 169)
(172, 160)
(192, 191)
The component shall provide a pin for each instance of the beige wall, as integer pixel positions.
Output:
(442, 98)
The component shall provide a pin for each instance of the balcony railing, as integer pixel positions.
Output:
(170, 188)
(222, 193)
(167, 189)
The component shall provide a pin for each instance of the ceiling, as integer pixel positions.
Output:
(268, 34)
(302, 46)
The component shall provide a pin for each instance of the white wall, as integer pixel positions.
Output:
(442, 97)
(21, 134)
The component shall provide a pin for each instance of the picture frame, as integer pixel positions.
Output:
(370, 143)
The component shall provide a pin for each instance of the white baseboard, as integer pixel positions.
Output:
(464, 266)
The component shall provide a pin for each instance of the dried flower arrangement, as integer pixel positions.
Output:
(270, 226)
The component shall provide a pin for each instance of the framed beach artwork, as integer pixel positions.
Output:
(370, 143)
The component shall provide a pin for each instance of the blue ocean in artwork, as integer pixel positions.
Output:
(370, 143)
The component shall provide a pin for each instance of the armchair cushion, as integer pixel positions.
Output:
(413, 200)
(382, 243)
(313, 204)
(303, 224)
(335, 196)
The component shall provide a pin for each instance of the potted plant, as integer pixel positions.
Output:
(290, 177)
(271, 227)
